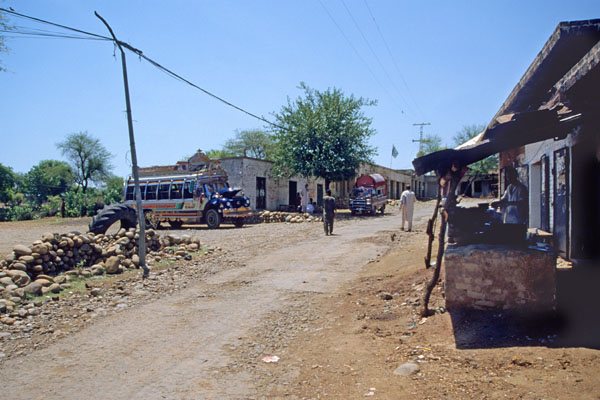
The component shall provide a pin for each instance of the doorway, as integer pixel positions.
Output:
(261, 193)
(293, 192)
(545, 194)
(319, 195)
(561, 201)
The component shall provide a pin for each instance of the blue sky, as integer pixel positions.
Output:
(451, 64)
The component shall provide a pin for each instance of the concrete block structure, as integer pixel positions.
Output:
(499, 278)
(267, 192)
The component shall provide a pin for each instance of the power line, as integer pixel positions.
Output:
(373, 52)
(19, 33)
(392, 57)
(360, 57)
(140, 54)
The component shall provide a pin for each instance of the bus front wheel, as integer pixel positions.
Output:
(213, 219)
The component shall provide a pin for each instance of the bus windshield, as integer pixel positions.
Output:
(212, 188)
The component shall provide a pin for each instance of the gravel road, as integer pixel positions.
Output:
(177, 347)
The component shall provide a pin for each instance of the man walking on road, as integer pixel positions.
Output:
(407, 206)
(328, 212)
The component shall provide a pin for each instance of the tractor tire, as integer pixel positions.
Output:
(213, 219)
(111, 214)
(176, 224)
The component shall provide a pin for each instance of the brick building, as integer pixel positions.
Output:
(274, 193)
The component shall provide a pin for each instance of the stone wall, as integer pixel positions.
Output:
(499, 278)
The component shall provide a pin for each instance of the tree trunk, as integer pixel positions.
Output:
(438, 266)
(450, 203)
(431, 228)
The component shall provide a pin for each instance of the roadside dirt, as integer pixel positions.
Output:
(318, 303)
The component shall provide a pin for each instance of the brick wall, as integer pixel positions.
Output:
(499, 278)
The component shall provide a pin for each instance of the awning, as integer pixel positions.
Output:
(517, 130)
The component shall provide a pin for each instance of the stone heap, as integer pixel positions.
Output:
(281, 216)
(46, 265)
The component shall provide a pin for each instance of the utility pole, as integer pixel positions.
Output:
(134, 167)
(421, 140)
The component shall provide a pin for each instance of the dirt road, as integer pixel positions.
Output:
(340, 312)
(174, 348)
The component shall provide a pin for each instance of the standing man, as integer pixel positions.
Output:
(328, 212)
(407, 206)
(515, 204)
(304, 199)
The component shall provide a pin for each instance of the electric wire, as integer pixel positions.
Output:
(17, 33)
(393, 59)
(374, 53)
(140, 54)
(360, 57)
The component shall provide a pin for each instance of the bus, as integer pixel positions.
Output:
(193, 198)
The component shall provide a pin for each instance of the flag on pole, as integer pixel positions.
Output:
(394, 151)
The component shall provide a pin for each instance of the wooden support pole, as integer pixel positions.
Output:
(449, 204)
(431, 227)
(134, 166)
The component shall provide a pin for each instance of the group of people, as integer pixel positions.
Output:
(407, 202)
(513, 204)
(307, 205)
(304, 204)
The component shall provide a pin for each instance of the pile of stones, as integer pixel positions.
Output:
(281, 216)
(48, 264)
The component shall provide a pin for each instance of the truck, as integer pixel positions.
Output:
(368, 195)
(193, 197)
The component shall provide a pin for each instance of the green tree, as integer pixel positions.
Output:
(89, 158)
(481, 167)
(7, 184)
(216, 154)
(323, 134)
(48, 178)
(5, 26)
(431, 143)
(112, 189)
(255, 143)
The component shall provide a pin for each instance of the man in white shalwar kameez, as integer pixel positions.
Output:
(407, 207)
(304, 198)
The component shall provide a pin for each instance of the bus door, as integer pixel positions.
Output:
(190, 202)
(200, 198)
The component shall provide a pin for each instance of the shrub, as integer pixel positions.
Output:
(21, 212)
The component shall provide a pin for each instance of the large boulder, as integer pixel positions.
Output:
(21, 250)
(112, 265)
(40, 249)
(18, 265)
(6, 281)
(34, 288)
(19, 277)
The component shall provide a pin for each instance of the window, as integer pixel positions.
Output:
(177, 191)
(151, 191)
(129, 193)
(188, 191)
(163, 191)
(143, 190)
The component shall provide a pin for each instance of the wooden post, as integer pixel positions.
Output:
(134, 166)
(450, 203)
(431, 227)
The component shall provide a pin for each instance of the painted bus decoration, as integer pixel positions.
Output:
(192, 198)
